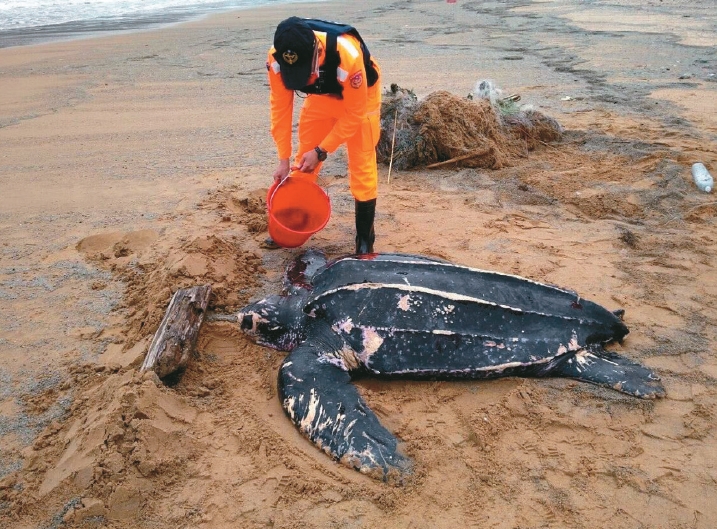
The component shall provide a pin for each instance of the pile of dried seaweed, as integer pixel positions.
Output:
(452, 130)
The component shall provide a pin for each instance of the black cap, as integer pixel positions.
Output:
(294, 45)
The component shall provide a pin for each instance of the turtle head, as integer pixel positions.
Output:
(276, 321)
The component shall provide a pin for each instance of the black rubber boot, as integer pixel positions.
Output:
(365, 213)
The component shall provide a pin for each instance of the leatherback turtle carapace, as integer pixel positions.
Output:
(393, 315)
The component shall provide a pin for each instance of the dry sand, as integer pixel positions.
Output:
(133, 165)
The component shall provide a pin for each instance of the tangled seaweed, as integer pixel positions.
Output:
(486, 132)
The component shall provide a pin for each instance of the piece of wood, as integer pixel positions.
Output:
(393, 144)
(480, 152)
(174, 341)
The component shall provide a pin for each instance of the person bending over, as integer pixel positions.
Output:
(330, 63)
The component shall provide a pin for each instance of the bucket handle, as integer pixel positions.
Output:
(276, 188)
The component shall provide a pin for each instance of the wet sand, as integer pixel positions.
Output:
(133, 165)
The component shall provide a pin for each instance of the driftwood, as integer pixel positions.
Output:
(479, 152)
(176, 337)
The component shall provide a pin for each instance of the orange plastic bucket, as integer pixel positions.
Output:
(297, 209)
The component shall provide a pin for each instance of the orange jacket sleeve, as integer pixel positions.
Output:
(281, 103)
(352, 76)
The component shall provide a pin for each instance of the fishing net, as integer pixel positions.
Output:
(486, 130)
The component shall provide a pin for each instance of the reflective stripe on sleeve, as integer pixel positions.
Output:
(348, 46)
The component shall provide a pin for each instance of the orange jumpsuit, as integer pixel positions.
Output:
(328, 121)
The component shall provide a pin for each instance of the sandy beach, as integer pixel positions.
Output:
(132, 165)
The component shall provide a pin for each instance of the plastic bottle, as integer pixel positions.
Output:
(702, 177)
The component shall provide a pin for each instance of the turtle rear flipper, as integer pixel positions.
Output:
(609, 369)
(326, 407)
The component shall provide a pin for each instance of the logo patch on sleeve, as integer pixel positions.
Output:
(356, 80)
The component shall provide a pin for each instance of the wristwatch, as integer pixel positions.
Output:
(322, 153)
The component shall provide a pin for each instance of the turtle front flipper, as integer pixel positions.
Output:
(325, 406)
(605, 368)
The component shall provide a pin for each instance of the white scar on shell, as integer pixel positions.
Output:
(371, 341)
(404, 302)
(345, 326)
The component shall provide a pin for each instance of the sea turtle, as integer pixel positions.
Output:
(408, 316)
